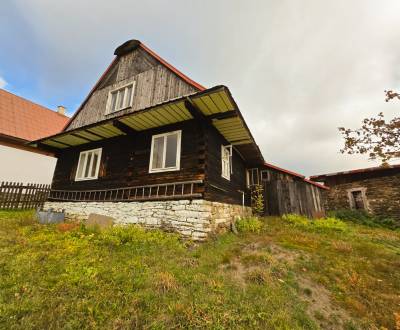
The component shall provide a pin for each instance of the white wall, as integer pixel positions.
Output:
(25, 166)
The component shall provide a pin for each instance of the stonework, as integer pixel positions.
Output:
(194, 219)
(382, 195)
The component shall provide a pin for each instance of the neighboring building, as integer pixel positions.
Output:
(149, 145)
(287, 192)
(22, 121)
(375, 189)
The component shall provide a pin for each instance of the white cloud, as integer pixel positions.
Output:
(297, 70)
(3, 83)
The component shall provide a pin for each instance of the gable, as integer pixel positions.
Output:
(155, 82)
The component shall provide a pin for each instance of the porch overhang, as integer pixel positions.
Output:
(215, 105)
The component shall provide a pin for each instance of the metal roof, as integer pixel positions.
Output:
(216, 105)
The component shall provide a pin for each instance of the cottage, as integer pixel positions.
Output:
(286, 191)
(149, 145)
(374, 189)
(22, 121)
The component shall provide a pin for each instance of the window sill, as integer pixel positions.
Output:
(86, 179)
(117, 111)
(164, 170)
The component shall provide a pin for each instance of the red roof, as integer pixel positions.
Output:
(284, 171)
(157, 57)
(322, 177)
(23, 119)
(302, 177)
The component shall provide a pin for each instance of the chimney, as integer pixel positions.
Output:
(61, 110)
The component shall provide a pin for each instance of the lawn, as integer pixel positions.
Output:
(285, 275)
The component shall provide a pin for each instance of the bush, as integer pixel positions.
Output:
(364, 218)
(323, 224)
(249, 225)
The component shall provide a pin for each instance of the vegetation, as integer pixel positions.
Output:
(257, 200)
(364, 218)
(376, 137)
(281, 275)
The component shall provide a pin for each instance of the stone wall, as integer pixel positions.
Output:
(382, 195)
(194, 219)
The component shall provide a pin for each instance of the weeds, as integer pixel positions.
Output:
(249, 225)
(322, 224)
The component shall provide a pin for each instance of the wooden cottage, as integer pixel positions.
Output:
(149, 145)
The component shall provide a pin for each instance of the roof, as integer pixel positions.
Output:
(126, 47)
(322, 177)
(25, 120)
(300, 176)
(216, 105)
(280, 169)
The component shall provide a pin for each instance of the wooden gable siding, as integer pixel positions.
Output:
(154, 83)
(218, 188)
(125, 161)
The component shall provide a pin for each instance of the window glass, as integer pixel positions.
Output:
(94, 164)
(121, 98)
(82, 159)
(158, 151)
(88, 163)
(113, 101)
(226, 165)
(128, 95)
(172, 148)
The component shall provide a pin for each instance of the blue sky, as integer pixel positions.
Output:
(297, 69)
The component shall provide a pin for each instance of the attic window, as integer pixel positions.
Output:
(120, 98)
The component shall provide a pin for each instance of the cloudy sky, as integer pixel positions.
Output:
(297, 69)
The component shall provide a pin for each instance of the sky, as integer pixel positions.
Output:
(297, 69)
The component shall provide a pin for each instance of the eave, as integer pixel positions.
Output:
(215, 105)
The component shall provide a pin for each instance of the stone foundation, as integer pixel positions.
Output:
(194, 219)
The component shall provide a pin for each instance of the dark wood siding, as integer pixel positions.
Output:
(284, 193)
(218, 188)
(154, 84)
(125, 160)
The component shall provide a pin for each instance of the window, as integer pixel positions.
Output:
(265, 175)
(252, 177)
(357, 199)
(226, 155)
(120, 98)
(88, 165)
(165, 152)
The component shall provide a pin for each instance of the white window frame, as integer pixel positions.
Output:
(227, 149)
(250, 176)
(86, 152)
(178, 152)
(116, 90)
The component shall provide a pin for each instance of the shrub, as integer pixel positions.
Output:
(257, 200)
(249, 225)
(321, 224)
(364, 218)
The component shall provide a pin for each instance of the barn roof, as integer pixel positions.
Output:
(323, 177)
(27, 121)
(300, 176)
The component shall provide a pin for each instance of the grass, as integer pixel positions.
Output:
(277, 276)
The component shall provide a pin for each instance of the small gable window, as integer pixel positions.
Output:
(120, 98)
(165, 152)
(88, 165)
(226, 158)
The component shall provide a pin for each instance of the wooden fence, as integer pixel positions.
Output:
(15, 196)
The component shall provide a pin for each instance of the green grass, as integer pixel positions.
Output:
(273, 277)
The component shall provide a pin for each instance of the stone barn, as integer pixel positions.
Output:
(375, 190)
